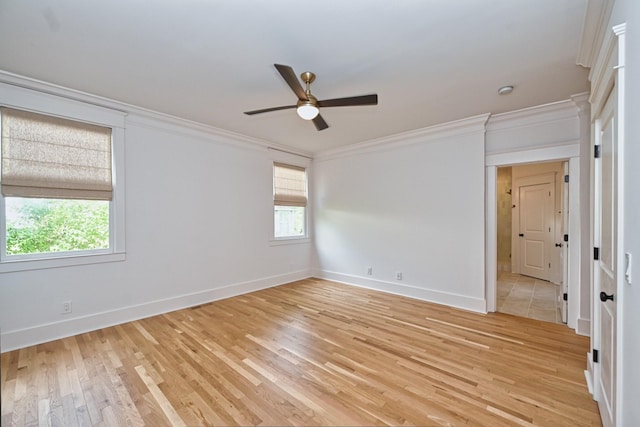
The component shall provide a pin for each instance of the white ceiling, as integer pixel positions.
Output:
(429, 61)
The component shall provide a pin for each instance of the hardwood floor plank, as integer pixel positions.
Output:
(311, 352)
(160, 398)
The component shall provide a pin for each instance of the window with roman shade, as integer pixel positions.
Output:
(289, 185)
(51, 157)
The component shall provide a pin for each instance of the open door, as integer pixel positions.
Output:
(606, 260)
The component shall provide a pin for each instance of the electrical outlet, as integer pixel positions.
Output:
(369, 271)
(66, 307)
(398, 275)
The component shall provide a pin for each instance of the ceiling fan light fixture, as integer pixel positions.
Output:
(307, 110)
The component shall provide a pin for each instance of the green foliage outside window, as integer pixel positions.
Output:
(51, 225)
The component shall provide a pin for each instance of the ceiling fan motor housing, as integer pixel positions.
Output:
(311, 101)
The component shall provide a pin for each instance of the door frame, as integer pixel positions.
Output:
(569, 152)
(564, 248)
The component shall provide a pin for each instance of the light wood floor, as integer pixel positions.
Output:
(308, 353)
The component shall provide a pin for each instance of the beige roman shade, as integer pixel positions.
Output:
(50, 157)
(289, 185)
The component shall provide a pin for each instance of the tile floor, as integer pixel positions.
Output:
(529, 297)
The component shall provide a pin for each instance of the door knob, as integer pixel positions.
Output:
(604, 297)
(521, 234)
(558, 245)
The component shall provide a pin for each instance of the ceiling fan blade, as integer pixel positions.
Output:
(350, 101)
(319, 122)
(268, 110)
(292, 80)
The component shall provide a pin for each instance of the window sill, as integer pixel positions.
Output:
(60, 261)
(289, 241)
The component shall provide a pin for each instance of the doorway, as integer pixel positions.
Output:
(494, 161)
(531, 211)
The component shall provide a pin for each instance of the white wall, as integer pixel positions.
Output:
(413, 203)
(629, 11)
(198, 221)
(631, 340)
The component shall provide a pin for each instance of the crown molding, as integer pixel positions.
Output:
(545, 113)
(593, 29)
(61, 91)
(466, 126)
(179, 126)
(581, 100)
(145, 117)
(24, 98)
(606, 66)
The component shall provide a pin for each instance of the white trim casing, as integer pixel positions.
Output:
(575, 238)
(620, 33)
(491, 237)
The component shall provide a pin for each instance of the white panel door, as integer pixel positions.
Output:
(536, 218)
(606, 271)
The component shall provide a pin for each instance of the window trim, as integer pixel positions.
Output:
(278, 156)
(44, 103)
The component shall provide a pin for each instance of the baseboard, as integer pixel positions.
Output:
(588, 373)
(12, 340)
(583, 327)
(453, 300)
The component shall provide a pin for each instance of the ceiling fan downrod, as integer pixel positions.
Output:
(308, 77)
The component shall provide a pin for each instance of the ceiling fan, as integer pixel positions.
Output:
(308, 106)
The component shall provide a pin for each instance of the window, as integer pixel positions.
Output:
(44, 225)
(290, 201)
(56, 181)
(59, 203)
